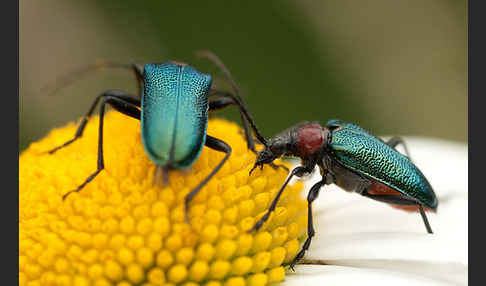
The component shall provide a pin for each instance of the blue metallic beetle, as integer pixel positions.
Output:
(353, 159)
(173, 106)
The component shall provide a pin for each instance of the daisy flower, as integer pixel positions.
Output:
(121, 229)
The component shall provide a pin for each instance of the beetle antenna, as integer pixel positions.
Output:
(68, 79)
(212, 57)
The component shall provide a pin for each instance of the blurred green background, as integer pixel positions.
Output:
(393, 67)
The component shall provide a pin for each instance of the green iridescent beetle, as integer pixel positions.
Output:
(353, 159)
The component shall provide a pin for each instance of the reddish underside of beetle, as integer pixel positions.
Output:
(378, 188)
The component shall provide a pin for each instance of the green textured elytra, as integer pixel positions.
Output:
(174, 113)
(366, 154)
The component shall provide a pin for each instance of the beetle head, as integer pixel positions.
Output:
(273, 150)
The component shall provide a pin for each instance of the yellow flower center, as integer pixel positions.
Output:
(121, 229)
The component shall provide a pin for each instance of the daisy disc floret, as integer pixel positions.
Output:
(121, 229)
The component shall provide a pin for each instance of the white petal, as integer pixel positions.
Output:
(363, 228)
(356, 231)
(345, 275)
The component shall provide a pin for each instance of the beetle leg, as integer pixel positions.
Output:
(313, 193)
(298, 171)
(220, 103)
(424, 218)
(223, 102)
(401, 200)
(217, 145)
(118, 101)
(109, 93)
(394, 141)
(229, 99)
(244, 115)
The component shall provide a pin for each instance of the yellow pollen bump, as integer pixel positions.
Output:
(121, 229)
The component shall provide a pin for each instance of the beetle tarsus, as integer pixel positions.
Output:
(313, 193)
(91, 177)
(256, 166)
(260, 222)
(186, 211)
(424, 218)
(295, 172)
(215, 144)
(122, 102)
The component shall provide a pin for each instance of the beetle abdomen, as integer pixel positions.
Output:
(377, 188)
(367, 155)
(174, 113)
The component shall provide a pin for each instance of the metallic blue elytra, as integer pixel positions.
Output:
(368, 155)
(174, 113)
